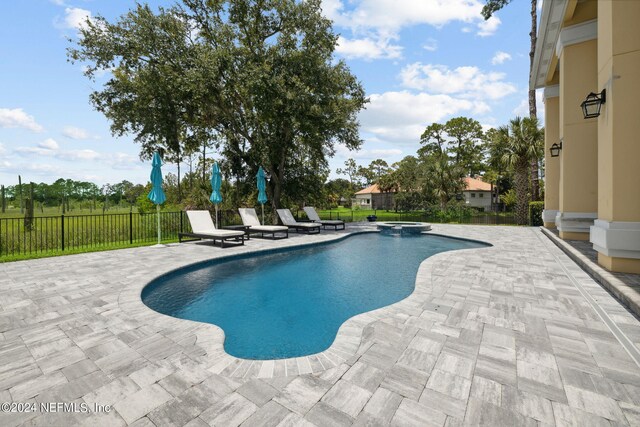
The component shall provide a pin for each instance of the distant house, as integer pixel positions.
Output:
(477, 194)
(373, 198)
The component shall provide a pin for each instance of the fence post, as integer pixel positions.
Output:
(62, 229)
(181, 221)
(130, 228)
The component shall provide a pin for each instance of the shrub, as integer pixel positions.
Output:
(535, 213)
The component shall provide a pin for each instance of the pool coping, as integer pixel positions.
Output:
(346, 345)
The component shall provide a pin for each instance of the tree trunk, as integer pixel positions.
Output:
(204, 163)
(533, 111)
(28, 217)
(521, 187)
(179, 192)
(20, 191)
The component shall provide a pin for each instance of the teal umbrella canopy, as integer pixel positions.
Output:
(262, 187)
(156, 195)
(216, 182)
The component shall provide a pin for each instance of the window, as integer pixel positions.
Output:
(481, 194)
(473, 194)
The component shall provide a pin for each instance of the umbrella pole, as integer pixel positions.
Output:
(217, 222)
(262, 204)
(158, 212)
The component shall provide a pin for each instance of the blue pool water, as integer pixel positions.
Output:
(292, 303)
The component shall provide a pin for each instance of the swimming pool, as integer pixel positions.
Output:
(291, 303)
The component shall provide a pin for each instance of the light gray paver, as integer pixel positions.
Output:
(347, 397)
(231, 411)
(492, 336)
(142, 402)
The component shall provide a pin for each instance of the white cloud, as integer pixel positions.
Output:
(403, 116)
(385, 152)
(17, 118)
(367, 154)
(488, 27)
(431, 45)
(75, 18)
(123, 161)
(466, 82)
(368, 48)
(79, 155)
(75, 133)
(522, 109)
(3, 150)
(500, 57)
(394, 14)
(49, 144)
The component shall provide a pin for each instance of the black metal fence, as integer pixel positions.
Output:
(77, 232)
(57, 234)
(462, 218)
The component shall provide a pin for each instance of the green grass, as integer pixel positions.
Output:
(14, 212)
(83, 233)
(80, 250)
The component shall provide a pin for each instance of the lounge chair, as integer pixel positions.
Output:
(337, 224)
(250, 218)
(287, 219)
(203, 228)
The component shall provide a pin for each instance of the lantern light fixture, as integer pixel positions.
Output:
(592, 105)
(555, 149)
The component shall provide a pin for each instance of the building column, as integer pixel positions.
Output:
(551, 164)
(578, 189)
(616, 232)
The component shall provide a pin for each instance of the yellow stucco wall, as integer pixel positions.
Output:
(619, 122)
(579, 157)
(581, 11)
(552, 164)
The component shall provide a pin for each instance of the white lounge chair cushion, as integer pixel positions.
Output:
(201, 223)
(311, 213)
(287, 219)
(249, 217)
(331, 221)
(269, 228)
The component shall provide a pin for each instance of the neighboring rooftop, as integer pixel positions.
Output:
(372, 189)
(474, 184)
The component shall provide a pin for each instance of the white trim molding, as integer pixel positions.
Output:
(575, 222)
(575, 34)
(616, 238)
(551, 91)
(549, 215)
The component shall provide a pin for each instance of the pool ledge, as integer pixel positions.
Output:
(203, 342)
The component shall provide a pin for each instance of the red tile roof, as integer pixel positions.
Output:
(473, 184)
(370, 190)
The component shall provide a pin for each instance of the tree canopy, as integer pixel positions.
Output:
(261, 75)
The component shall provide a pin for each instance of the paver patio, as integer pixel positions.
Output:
(502, 335)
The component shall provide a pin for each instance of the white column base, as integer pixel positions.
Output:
(549, 215)
(616, 238)
(575, 222)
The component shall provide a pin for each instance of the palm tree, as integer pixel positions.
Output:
(488, 10)
(444, 177)
(524, 145)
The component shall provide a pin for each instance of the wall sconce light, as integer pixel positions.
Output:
(555, 149)
(591, 106)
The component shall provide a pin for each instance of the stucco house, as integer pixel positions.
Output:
(477, 194)
(372, 197)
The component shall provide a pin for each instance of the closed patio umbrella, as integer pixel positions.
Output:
(216, 183)
(156, 195)
(262, 186)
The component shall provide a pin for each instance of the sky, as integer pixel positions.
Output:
(420, 62)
